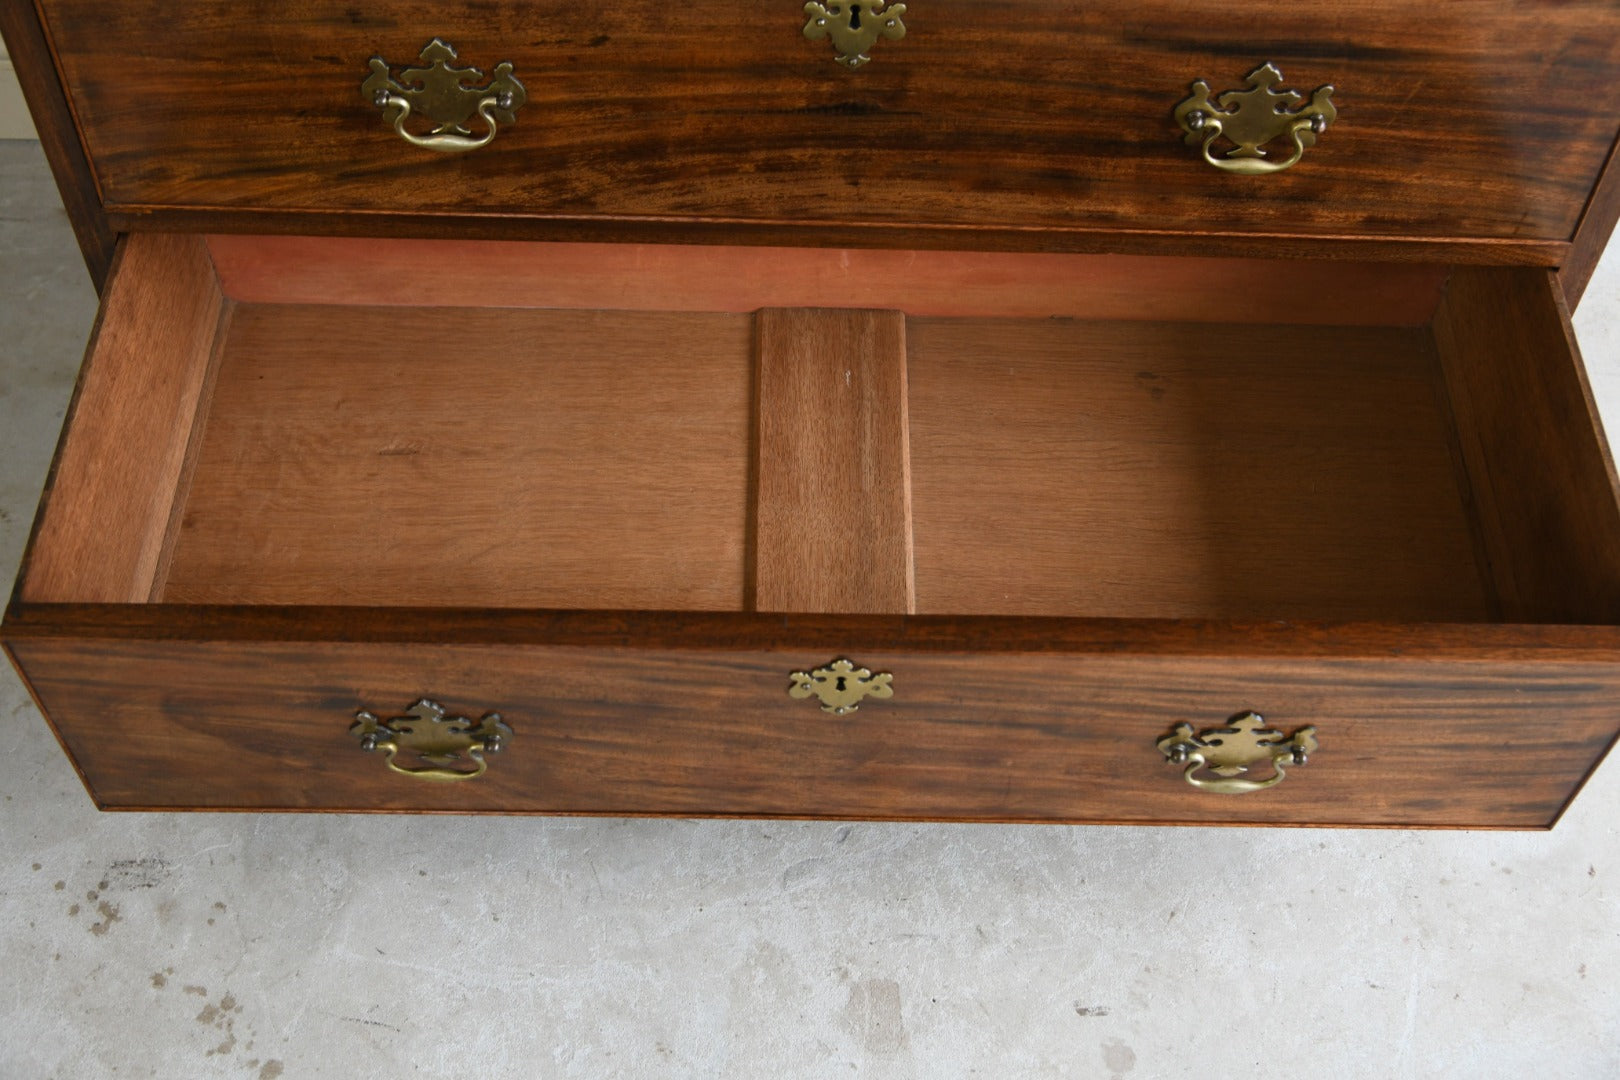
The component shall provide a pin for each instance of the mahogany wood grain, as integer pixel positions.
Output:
(1477, 119)
(1542, 476)
(1180, 470)
(688, 277)
(968, 736)
(832, 518)
(102, 526)
(474, 457)
(1592, 235)
(516, 226)
(35, 68)
(709, 631)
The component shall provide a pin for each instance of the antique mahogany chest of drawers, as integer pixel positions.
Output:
(1038, 412)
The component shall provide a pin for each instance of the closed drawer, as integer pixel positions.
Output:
(1041, 126)
(620, 495)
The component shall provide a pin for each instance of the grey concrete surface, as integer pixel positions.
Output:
(183, 946)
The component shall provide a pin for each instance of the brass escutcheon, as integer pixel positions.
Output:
(840, 686)
(442, 94)
(854, 26)
(1230, 751)
(426, 731)
(1249, 119)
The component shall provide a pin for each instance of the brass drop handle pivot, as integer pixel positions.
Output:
(442, 94)
(1231, 750)
(427, 731)
(1253, 117)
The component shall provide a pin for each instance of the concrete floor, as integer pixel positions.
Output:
(202, 945)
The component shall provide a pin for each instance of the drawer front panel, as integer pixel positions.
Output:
(693, 733)
(1467, 119)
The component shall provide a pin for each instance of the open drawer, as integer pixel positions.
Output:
(638, 500)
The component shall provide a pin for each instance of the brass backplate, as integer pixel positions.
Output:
(427, 731)
(854, 26)
(1243, 122)
(447, 96)
(840, 686)
(1231, 750)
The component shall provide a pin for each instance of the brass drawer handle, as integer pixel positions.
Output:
(1253, 117)
(854, 26)
(1230, 751)
(428, 732)
(840, 686)
(442, 94)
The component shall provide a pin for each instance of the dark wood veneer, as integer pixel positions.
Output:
(715, 230)
(1045, 119)
(1262, 639)
(967, 736)
(1597, 225)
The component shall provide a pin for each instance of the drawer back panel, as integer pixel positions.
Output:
(1469, 119)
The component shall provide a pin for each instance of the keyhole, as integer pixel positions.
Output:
(840, 687)
(854, 24)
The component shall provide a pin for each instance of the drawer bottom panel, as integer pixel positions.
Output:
(1019, 737)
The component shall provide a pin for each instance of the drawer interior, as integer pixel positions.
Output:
(313, 421)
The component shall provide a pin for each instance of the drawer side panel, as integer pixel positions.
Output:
(103, 527)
